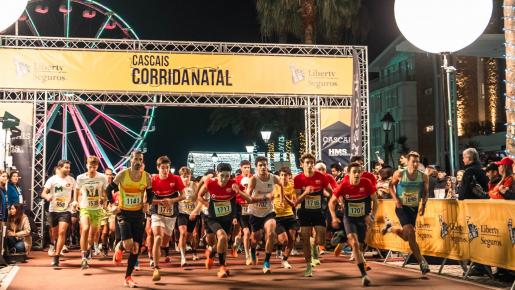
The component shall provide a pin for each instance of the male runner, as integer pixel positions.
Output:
(168, 191)
(408, 187)
(90, 188)
(357, 194)
(322, 168)
(135, 186)
(286, 221)
(108, 222)
(243, 212)
(186, 227)
(58, 190)
(262, 215)
(221, 206)
(309, 186)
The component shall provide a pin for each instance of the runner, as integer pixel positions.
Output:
(262, 215)
(408, 187)
(221, 205)
(108, 221)
(135, 186)
(90, 188)
(287, 224)
(309, 186)
(186, 227)
(243, 211)
(168, 191)
(58, 190)
(322, 168)
(358, 215)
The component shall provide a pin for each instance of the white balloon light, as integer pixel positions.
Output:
(442, 25)
(10, 11)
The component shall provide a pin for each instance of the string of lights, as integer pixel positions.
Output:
(509, 28)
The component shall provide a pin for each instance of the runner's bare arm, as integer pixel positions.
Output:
(243, 194)
(393, 184)
(301, 195)
(332, 207)
(45, 194)
(277, 181)
(251, 185)
(200, 195)
(375, 204)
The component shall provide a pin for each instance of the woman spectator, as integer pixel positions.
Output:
(385, 176)
(18, 237)
(13, 189)
(3, 196)
(497, 191)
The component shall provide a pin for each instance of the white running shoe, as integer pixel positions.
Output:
(286, 265)
(64, 250)
(183, 262)
(294, 252)
(195, 257)
(51, 250)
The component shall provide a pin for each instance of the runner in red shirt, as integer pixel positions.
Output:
(168, 191)
(221, 209)
(243, 215)
(357, 194)
(322, 168)
(365, 174)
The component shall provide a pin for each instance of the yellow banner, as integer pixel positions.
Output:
(117, 71)
(390, 241)
(491, 232)
(442, 231)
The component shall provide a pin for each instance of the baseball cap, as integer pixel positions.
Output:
(507, 161)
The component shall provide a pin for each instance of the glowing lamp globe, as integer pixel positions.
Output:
(10, 11)
(442, 25)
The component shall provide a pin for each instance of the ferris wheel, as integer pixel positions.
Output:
(77, 131)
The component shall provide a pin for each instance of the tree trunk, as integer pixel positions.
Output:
(509, 34)
(308, 14)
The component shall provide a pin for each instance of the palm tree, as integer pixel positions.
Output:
(509, 27)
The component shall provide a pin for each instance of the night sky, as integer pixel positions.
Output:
(179, 130)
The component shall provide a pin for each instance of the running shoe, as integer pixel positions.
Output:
(136, 267)
(97, 250)
(424, 268)
(387, 228)
(286, 265)
(89, 255)
(117, 256)
(266, 267)
(322, 250)
(151, 264)
(234, 252)
(365, 281)
(188, 248)
(254, 258)
(309, 271)
(352, 258)
(64, 250)
(55, 261)
(222, 272)
(315, 262)
(195, 257)
(367, 267)
(183, 262)
(167, 259)
(338, 249)
(248, 261)
(51, 250)
(84, 264)
(129, 282)
(338, 237)
(156, 275)
(294, 252)
(209, 261)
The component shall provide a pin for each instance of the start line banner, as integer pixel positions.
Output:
(125, 71)
(478, 230)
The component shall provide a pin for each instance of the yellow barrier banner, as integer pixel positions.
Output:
(125, 71)
(442, 231)
(390, 241)
(491, 232)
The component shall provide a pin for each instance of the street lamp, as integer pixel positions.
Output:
(250, 150)
(172, 170)
(214, 158)
(443, 26)
(191, 164)
(265, 135)
(10, 12)
(387, 121)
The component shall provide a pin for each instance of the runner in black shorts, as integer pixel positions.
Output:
(221, 207)
(243, 213)
(357, 194)
(186, 207)
(135, 186)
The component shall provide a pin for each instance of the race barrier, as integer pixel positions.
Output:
(481, 231)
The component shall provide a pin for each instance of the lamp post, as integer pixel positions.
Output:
(214, 158)
(387, 127)
(265, 135)
(10, 12)
(250, 150)
(443, 27)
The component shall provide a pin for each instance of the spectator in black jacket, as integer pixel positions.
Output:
(472, 171)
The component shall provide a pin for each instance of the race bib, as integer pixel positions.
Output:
(410, 199)
(163, 210)
(189, 206)
(93, 203)
(312, 202)
(262, 204)
(60, 204)
(356, 209)
(222, 208)
(244, 210)
(132, 201)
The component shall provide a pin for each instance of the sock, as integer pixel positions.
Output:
(182, 254)
(267, 257)
(221, 259)
(131, 262)
(361, 267)
(84, 254)
(213, 253)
